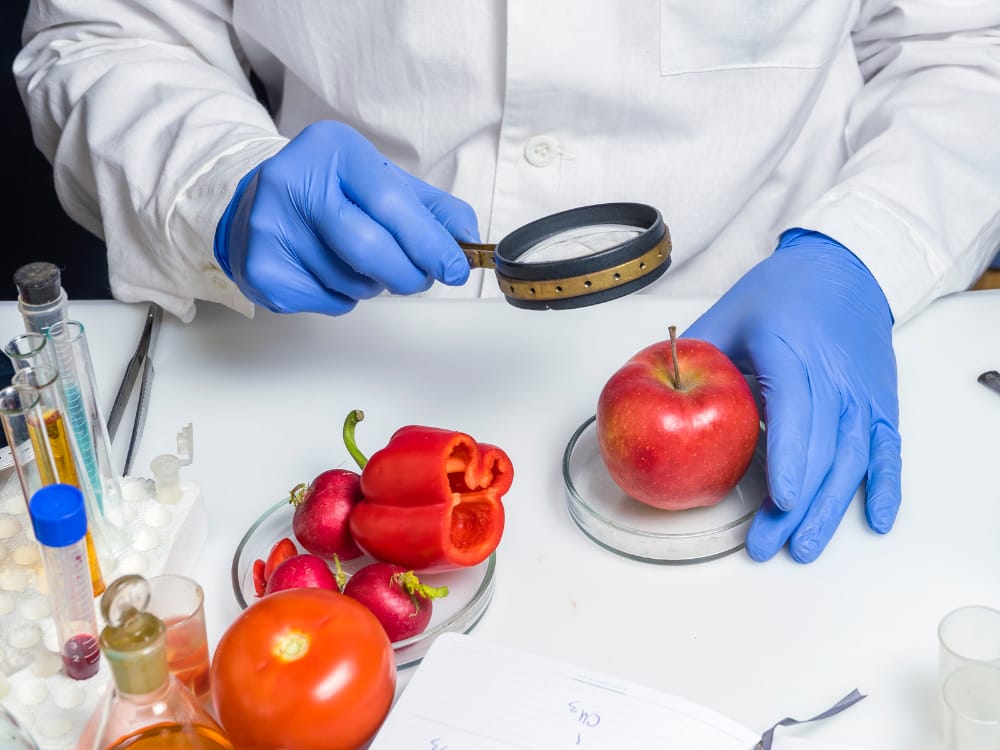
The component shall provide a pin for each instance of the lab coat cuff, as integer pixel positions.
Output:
(201, 209)
(905, 267)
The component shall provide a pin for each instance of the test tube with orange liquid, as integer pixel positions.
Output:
(47, 431)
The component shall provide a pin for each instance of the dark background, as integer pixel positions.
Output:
(37, 228)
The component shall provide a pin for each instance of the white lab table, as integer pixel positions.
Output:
(756, 641)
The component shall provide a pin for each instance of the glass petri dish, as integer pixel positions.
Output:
(631, 528)
(470, 590)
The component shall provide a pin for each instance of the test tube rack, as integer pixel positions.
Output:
(51, 706)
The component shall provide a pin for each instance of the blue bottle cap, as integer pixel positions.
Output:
(58, 515)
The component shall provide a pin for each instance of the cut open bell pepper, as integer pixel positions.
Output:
(431, 498)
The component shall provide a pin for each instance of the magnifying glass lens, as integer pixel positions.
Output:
(579, 257)
(579, 242)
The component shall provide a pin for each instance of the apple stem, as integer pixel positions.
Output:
(673, 354)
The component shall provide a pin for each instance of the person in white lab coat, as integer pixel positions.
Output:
(826, 170)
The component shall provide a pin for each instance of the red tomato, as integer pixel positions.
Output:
(303, 669)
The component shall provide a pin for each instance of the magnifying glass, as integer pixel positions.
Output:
(579, 257)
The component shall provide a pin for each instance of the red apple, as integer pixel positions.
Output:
(677, 424)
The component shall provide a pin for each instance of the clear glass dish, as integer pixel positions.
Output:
(624, 525)
(469, 589)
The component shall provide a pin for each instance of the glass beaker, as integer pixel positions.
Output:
(146, 707)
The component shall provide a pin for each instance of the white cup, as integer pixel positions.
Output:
(967, 636)
(971, 697)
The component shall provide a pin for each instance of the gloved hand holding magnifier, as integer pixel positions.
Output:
(328, 221)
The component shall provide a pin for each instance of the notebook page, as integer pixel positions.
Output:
(469, 694)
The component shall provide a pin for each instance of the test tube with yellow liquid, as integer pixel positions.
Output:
(47, 431)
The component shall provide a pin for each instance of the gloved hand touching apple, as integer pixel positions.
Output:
(813, 325)
(328, 221)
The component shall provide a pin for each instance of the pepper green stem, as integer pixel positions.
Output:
(350, 423)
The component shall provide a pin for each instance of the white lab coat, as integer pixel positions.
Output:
(873, 121)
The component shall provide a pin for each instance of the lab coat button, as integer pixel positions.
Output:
(541, 150)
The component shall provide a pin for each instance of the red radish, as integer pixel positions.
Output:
(321, 510)
(396, 597)
(303, 571)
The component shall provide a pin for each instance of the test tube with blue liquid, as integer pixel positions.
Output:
(88, 430)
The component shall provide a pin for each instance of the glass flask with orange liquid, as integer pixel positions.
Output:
(146, 708)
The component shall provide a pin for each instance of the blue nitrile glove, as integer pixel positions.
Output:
(813, 325)
(328, 221)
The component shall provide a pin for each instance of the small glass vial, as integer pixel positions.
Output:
(147, 708)
(59, 519)
(40, 296)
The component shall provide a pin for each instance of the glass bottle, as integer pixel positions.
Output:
(146, 707)
(40, 296)
(59, 520)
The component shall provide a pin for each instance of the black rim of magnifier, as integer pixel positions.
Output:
(518, 242)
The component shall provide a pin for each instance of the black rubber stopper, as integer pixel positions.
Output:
(38, 283)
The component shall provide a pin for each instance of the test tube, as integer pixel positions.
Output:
(59, 519)
(20, 408)
(40, 296)
(88, 429)
(26, 349)
(44, 379)
(103, 543)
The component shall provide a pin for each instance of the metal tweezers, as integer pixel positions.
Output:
(140, 367)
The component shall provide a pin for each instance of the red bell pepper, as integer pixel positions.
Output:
(431, 498)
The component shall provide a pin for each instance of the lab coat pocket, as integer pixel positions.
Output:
(726, 34)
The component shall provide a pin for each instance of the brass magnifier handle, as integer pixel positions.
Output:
(479, 256)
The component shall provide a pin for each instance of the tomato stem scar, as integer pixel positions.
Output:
(291, 646)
